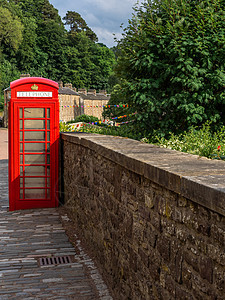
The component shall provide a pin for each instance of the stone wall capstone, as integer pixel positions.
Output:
(154, 218)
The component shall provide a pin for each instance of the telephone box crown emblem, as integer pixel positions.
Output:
(34, 87)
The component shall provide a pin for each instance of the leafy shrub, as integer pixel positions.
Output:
(63, 127)
(124, 131)
(172, 65)
(84, 118)
(202, 142)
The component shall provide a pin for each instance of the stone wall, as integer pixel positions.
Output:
(67, 107)
(94, 107)
(154, 218)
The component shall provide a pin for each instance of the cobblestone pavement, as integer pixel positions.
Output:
(27, 235)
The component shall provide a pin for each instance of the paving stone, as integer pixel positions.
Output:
(52, 280)
(29, 234)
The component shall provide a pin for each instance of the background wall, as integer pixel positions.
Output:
(67, 109)
(154, 218)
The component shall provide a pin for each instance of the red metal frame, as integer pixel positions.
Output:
(17, 155)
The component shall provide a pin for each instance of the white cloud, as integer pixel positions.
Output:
(90, 18)
(121, 7)
(107, 37)
(104, 17)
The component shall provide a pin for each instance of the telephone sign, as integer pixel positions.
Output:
(33, 143)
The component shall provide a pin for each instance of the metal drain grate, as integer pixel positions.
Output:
(54, 260)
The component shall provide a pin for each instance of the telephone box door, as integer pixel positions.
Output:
(33, 146)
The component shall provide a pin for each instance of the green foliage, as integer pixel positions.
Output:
(11, 29)
(84, 118)
(172, 63)
(63, 127)
(99, 128)
(26, 56)
(123, 131)
(199, 141)
(77, 24)
(118, 94)
(202, 142)
(1, 103)
(103, 61)
(8, 72)
(117, 107)
(33, 40)
(90, 64)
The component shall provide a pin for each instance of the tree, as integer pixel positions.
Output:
(103, 59)
(11, 29)
(8, 73)
(33, 40)
(172, 63)
(44, 37)
(11, 36)
(90, 64)
(77, 24)
(27, 52)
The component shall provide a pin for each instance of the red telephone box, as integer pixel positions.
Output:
(33, 143)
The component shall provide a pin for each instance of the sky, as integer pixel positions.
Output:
(104, 17)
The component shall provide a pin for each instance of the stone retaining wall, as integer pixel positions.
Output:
(154, 218)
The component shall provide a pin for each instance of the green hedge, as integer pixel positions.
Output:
(84, 118)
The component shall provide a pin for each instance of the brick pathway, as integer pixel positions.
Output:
(28, 235)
